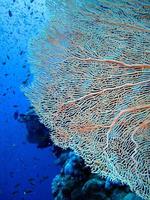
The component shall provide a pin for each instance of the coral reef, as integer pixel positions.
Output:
(91, 86)
(75, 181)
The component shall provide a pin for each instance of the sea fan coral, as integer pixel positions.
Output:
(92, 85)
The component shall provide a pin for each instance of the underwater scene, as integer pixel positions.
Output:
(74, 100)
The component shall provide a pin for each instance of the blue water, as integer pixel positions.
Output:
(19, 160)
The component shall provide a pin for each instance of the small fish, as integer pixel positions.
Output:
(21, 52)
(43, 178)
(10, 13)
(31, 183)
(16, 114)
(15, 192)
(15, 106)
(25, 82)
(14, 92)
(31, 179)
(17, 185)
(28, 191)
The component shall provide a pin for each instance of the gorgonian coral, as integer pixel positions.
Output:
(92, 85)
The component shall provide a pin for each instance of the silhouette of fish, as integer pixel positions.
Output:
(16, 114)
(15, 192)
(17, 185)
(27, 191)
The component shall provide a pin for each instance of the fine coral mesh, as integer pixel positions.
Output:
(92, 85)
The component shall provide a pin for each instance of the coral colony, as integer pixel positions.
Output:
(75, 181)
(92, 86)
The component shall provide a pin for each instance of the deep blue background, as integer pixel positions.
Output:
(19, 161)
